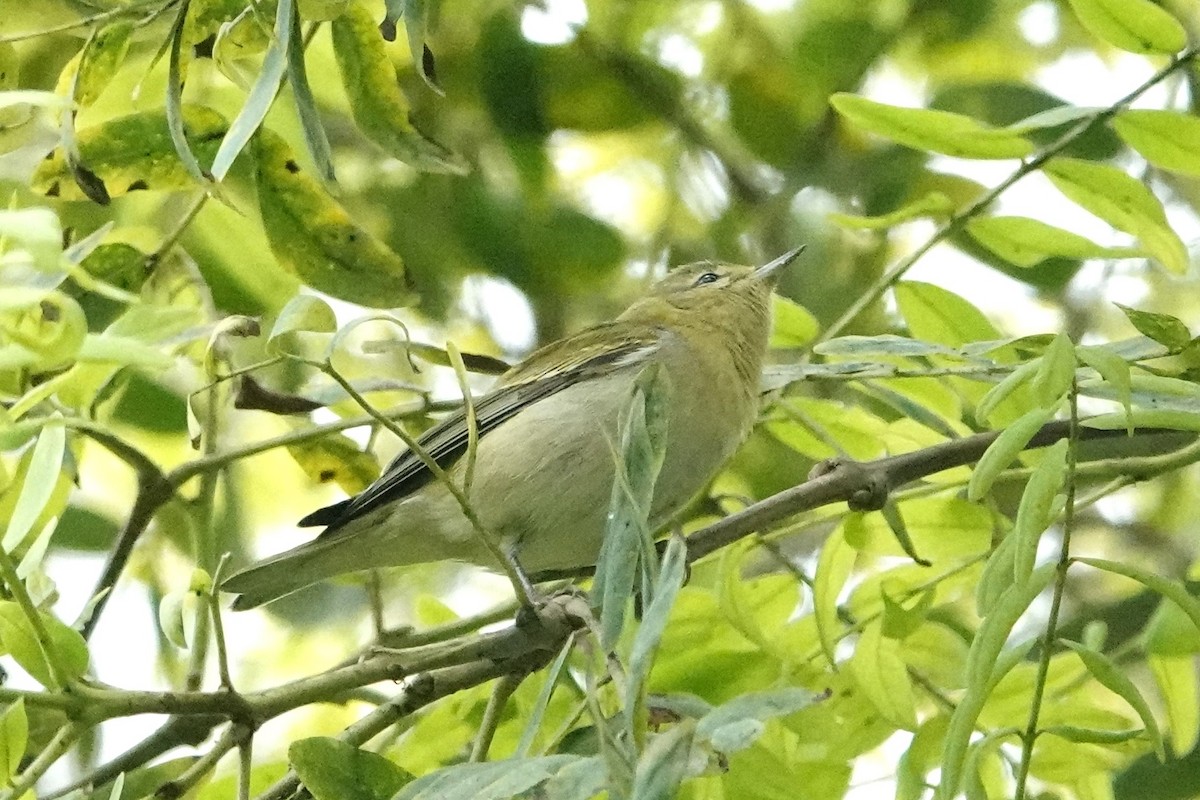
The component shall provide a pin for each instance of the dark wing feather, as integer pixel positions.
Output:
(549, 370)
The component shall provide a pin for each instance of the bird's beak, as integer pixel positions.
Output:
(771, 270)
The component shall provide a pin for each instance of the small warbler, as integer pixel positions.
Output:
(545, 464)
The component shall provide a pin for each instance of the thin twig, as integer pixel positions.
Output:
(501, 692)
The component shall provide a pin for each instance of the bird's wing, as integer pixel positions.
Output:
(549, 370)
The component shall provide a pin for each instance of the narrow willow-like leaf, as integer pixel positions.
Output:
(882, 676)
(663, 765)
(1172, 590)
(306, 106)
(175, 122)
(1012, 382)
(1165, 329)
(262, 94)
(1110, 676)
(1114, 370)
(40, 479)
(1037, 508)
(1054, 378)
(14, 734)
(1175, 677)
(1001, 453)
(834, 566)
(492, 780)
(654, 623)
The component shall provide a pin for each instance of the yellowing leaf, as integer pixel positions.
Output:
(1025, 242)
(134, 153)
(1122, 201)
(315, 238)
(1168, 139)
(1138, 26)
(380, 109)
(926, 129)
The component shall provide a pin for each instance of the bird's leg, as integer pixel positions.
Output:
(529, 597)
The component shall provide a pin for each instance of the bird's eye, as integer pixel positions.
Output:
(708, 277)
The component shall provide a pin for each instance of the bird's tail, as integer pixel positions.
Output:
(292, 570)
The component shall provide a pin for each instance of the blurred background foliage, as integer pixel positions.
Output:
(510, 172)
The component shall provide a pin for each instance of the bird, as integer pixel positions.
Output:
(545, 455)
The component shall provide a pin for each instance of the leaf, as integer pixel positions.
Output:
(627, 550)
(925, 129)
(92, 70)
(1056, 374)
(1167, 139)
(1175, 677)
(792, 325)
(19, 640)
(663, 765)
(1172, 590)
(336, 458)
(1115, 371)
(834, 566)
(1138, 26)
(134, 153)
(1038, 509)
(934, 314)
(882, 675)
(1007, 446)
(1122, 201)
(720, 725)
(176, 126)
(1110, 676)
(14, 734)
(41, 477)
(1006, 388)
(981, 667)
(886, 344)
(1026, 242)
(1167, 419)
(306, 105)
(1162, 328)
(492, 780)
(654, 622)
(334, 770)
(380, 109)
(315, 238)
(934, 204)
(262, 94)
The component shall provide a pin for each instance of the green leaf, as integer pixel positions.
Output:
(306, 105)
(1167, 139)
(834, 566)
(883, 676)
(1111, 677)
(41, 477)
(1162, 328)
(664, 763)
(1176, 420)
(1025, 242)
(492, 780)
(19, 640)
(934, 204)
(334, 770)
(98, 62)
(262, 94)
(937, 131)
(886, 344)
(1138, 26)
(1057, 372)
(176, 125)
(726, 725)
(654, 622)
(1122, 201)
(981, 668)
(997, 577)
(315, 238)
(14, 734)
(1115, 371)
(1038, 508)
(1006, 388)
(792, 325)
(1175, 677)
(627, 550)
(1172, 590)
(1007, 446)
(934, 314)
